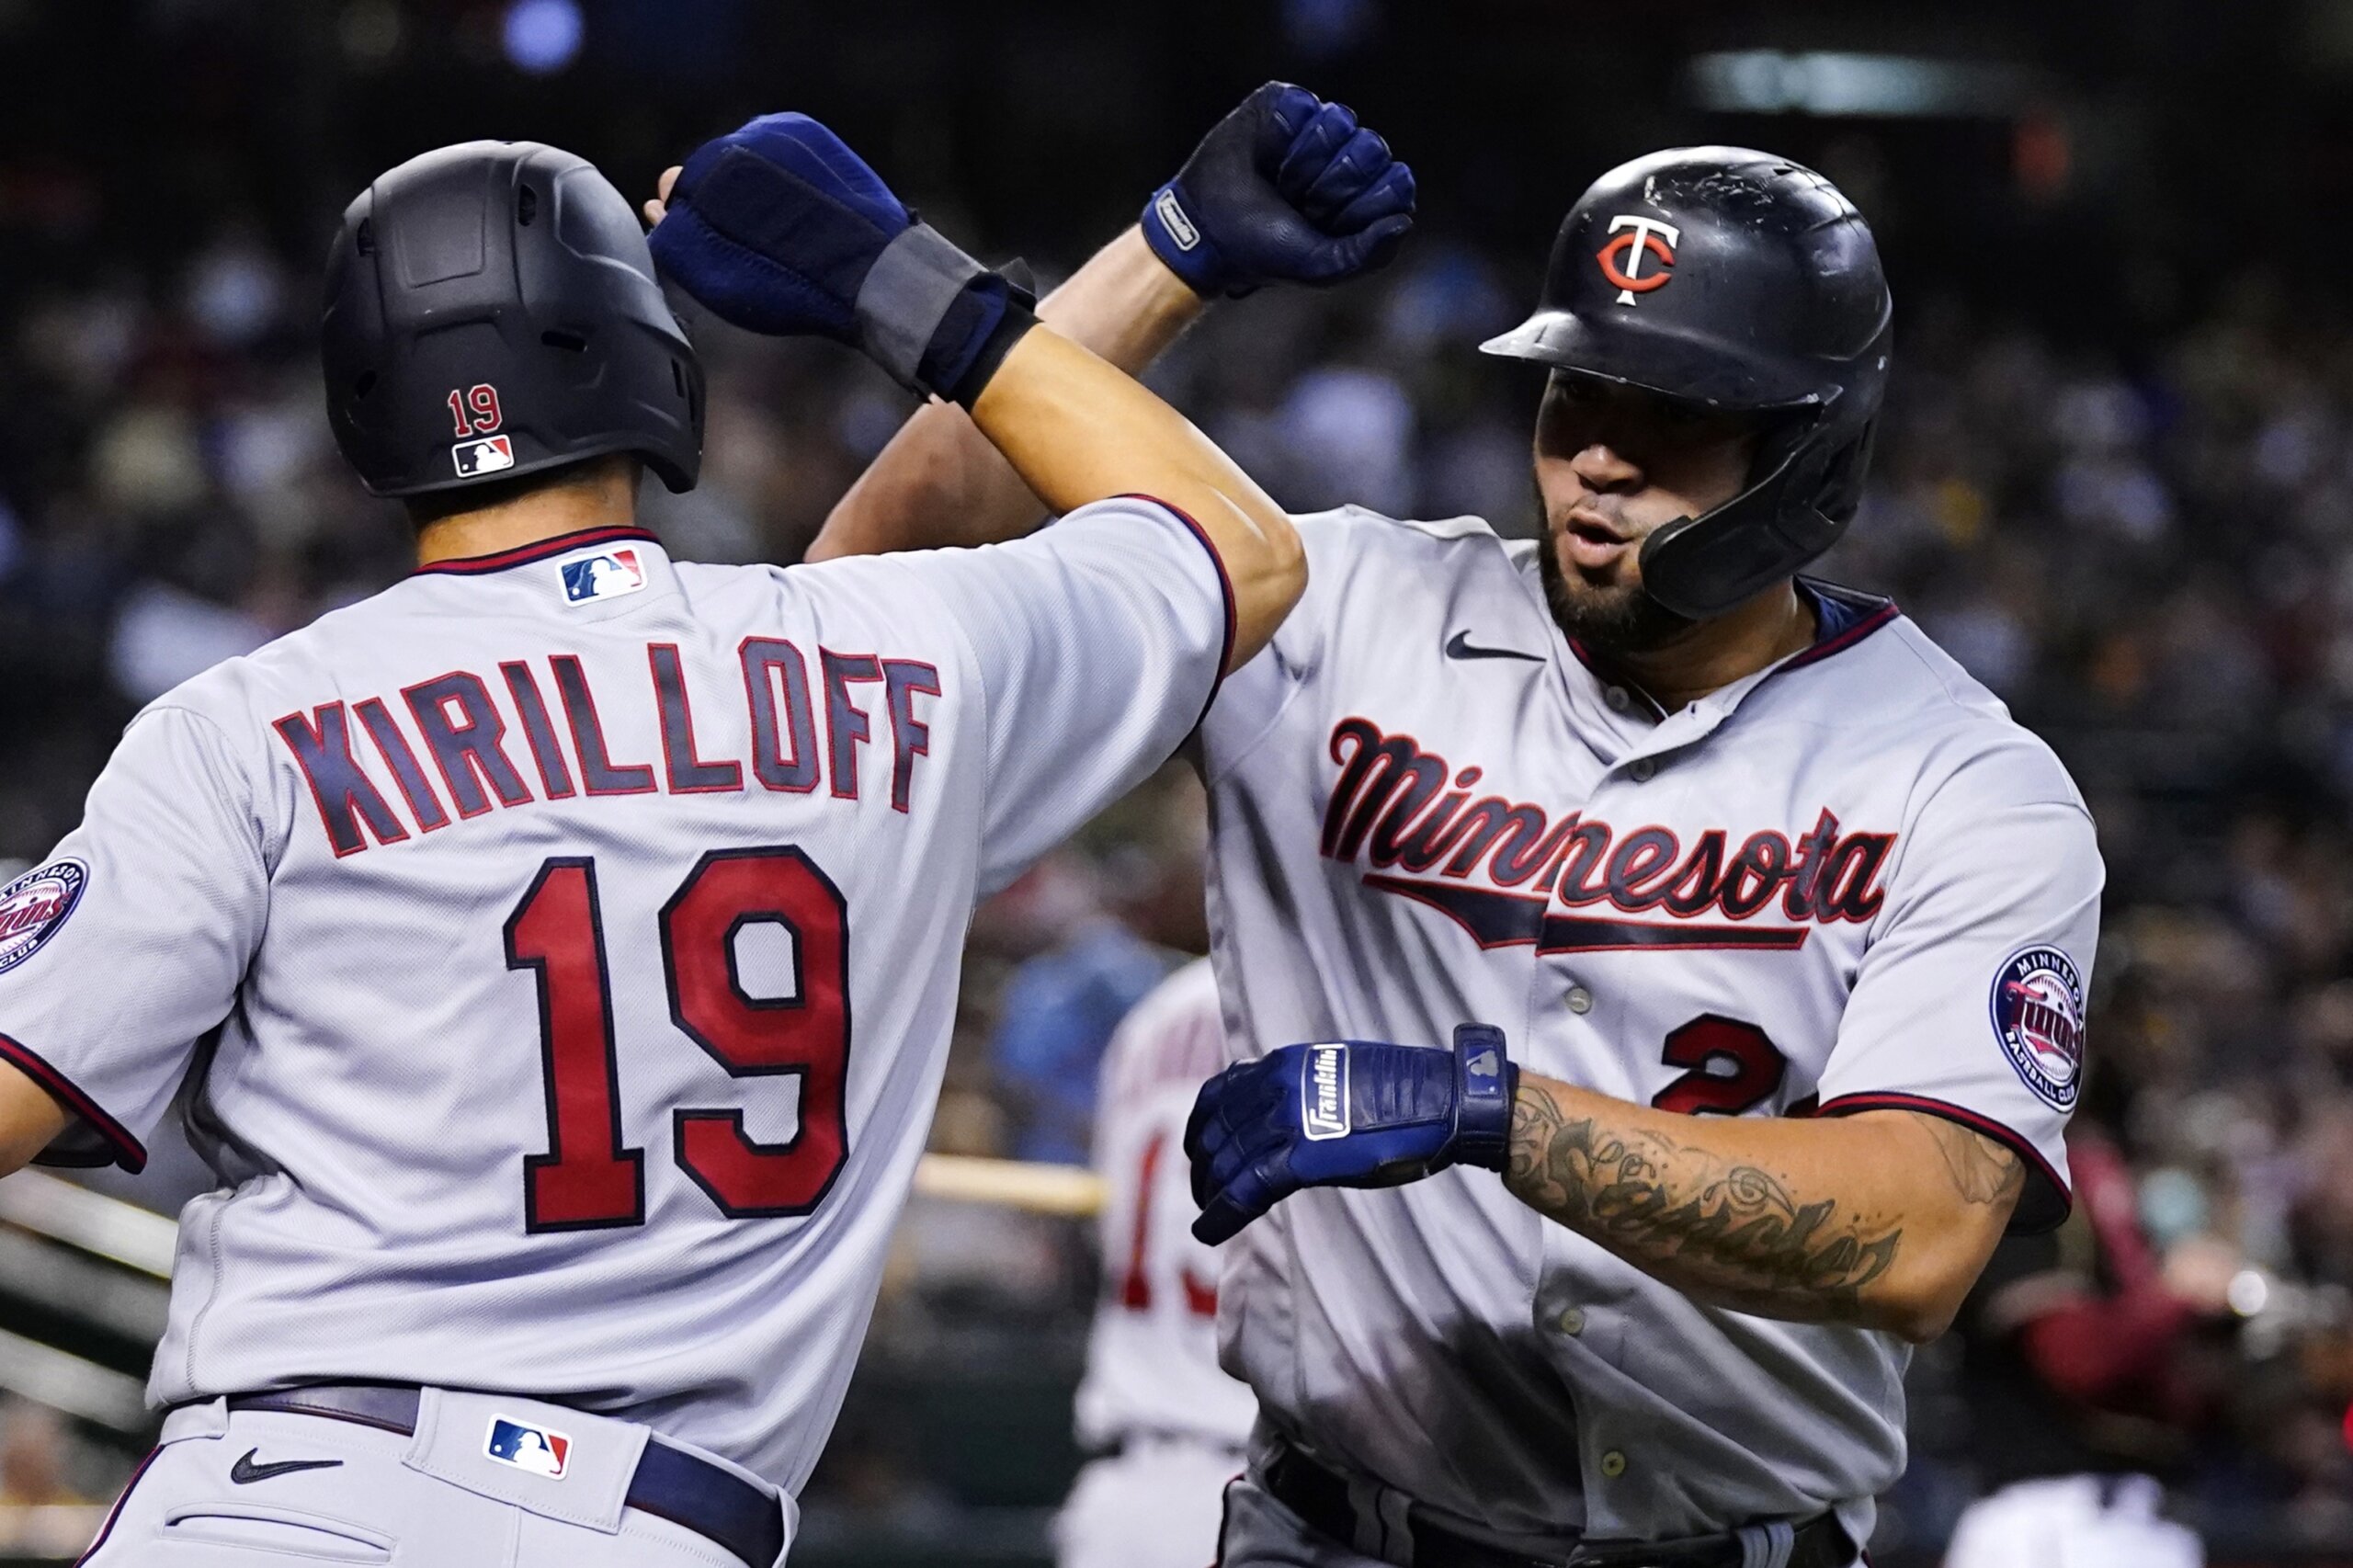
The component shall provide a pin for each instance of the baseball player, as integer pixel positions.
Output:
(574, 932)
(1772, 929)
(1169, 1424)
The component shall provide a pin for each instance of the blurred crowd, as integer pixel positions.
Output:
(2146, 549)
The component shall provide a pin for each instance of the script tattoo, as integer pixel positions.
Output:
(1734, 1231)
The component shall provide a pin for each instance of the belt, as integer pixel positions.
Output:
(670, 1483)
(1320, 1497)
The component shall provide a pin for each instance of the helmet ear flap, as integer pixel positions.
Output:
(1840, 493)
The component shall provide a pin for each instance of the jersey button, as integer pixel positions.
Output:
(1642, 769)
(1580, 1000)
(1572, 1322)
(1616, 699)
(1613, 1464)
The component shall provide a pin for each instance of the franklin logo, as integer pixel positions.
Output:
(489, 454)
(534, 1449)
(1323, 1099)
(1483, 1067)
(1172, 214)
(1621, 258)
(35, 905)
(2038, 1008)
(603, 576)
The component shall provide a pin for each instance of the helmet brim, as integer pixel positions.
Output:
(1654, 359)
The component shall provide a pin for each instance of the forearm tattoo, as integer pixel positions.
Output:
(1732, 1234)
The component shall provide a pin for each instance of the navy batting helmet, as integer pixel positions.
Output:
(491, 312)
(1729, 280)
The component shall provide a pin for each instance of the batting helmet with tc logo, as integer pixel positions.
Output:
(1728, 279)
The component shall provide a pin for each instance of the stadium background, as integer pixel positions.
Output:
(2115, 481)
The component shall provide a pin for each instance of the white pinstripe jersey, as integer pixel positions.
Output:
(582, 933)
(1846, 882)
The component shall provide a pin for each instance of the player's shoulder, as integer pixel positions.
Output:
(1896, 693)
(282, 675)
(1360, 538)
(1358, 559)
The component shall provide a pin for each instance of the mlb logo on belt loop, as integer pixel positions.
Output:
(535, 1448)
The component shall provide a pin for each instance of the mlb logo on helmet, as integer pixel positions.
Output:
(2038, 1008)
(488, 455)
(606, 576)
(535, 1448)
(1324, 1096)
(33, 906)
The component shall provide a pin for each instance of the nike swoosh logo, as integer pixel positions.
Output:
(245, 1473)
(1458, 647)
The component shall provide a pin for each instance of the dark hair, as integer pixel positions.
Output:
(436, 505)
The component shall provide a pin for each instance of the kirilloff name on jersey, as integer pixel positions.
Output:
(1498, 865)
(455, 720)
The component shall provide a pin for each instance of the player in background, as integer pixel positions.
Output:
(2091, 1364)
(575, 933)
(1778, 927)
(1168, 1425)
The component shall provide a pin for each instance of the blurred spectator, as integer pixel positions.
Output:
(33, 1448)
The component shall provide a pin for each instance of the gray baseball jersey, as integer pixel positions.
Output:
(1846, 882)
(582, 933)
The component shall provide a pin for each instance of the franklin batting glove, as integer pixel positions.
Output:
(1285, 190)
(1356, 1113)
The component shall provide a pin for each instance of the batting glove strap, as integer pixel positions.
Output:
(1487, 1081)
(935, 319)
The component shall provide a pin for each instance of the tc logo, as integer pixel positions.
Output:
(1621, 258)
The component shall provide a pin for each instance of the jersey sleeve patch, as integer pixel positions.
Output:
(35, 907)
(2037, 1013)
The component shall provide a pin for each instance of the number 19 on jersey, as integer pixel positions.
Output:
(588, 1178)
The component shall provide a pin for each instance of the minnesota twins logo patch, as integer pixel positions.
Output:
(2038, 1008)
(35, 905)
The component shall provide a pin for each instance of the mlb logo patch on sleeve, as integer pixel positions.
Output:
(489, 454)
(604, 577)
(535, 1448)
(35, 905)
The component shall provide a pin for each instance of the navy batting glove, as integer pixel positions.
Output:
(1353, 1114)
(779, 228)
(1285, 189)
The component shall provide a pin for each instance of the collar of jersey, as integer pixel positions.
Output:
(538, 550)
(1843, 618)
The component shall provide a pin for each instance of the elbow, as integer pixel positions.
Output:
(1918, 1322)
(1288, 560)
(1919, 1304)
